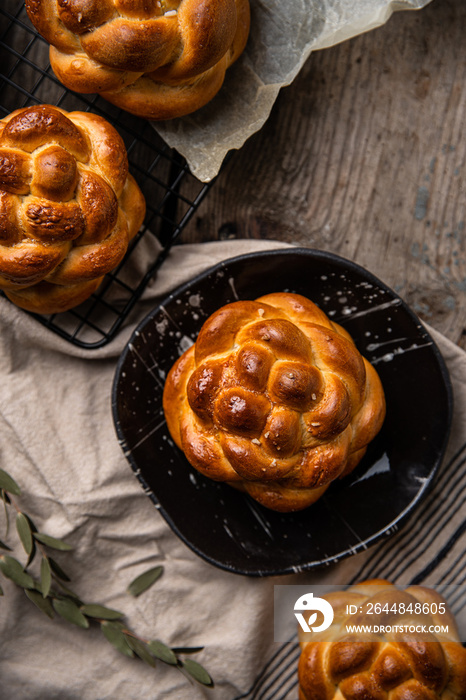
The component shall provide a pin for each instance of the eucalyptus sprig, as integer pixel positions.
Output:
(50, 593)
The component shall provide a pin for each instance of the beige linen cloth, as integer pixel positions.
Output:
(57, 439)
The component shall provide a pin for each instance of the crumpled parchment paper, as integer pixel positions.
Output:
(282, 36)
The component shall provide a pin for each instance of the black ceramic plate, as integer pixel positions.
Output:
(226, 527)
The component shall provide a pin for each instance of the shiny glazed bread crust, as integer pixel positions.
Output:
(274, 399)
(335, 665)
(68, 206)
(158, 59)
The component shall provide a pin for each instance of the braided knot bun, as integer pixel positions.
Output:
(158, 59)
(68, 206)
(393, 665)
(274, 399)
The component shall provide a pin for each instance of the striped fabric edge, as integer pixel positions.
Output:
(409, 557)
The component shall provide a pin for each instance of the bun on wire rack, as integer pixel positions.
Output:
(68, 206)
(158, 59)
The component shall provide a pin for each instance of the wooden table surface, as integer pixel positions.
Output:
(364, 155)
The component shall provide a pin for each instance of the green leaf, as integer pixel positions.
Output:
(31, 523)
(32, 555)
(187, 650)
(162, 652)
(9, 484)
(101, 612)
(69, 611)
(52, 542)
(1, 590)
(197, 672)
(70, 594)
(58, 571)
(144, 581)
(42, 603)
(112, 632)
(4, 546)
(115, 624)
(45, 576)
(140, 649)
(6, 501)
(24, 532)
(12, 569)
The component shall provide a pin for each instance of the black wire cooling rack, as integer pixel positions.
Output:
(172, 193)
